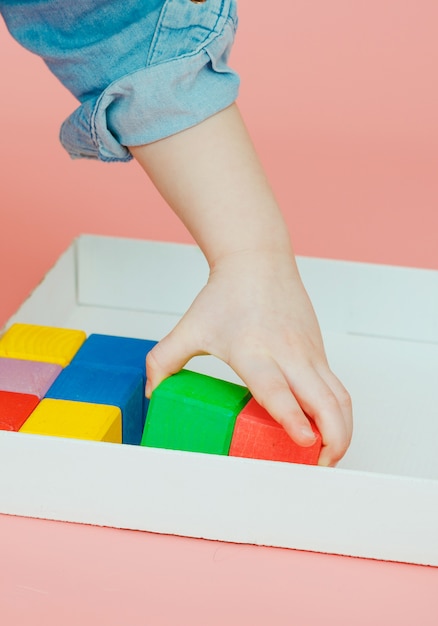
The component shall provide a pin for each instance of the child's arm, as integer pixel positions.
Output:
(254, 312)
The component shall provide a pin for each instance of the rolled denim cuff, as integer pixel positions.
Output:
(185, 80)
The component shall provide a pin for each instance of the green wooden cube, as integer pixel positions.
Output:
(194, 412)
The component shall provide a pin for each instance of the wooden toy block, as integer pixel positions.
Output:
(15, 408)
(116, 351)
(193, 412)
(75, 420)
(122, 387)
(21, 376)
(257, 435)
(41, 343)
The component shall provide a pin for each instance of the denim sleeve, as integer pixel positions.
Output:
(141, 69)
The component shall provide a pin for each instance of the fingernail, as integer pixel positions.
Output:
(148, 389)
(308, 433)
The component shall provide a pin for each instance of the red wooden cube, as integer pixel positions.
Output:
(15, 408)
(257, 435)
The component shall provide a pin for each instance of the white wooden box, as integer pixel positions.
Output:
(380, 326)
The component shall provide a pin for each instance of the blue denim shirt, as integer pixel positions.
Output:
(141, 69)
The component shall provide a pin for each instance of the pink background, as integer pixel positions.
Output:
(341, 99)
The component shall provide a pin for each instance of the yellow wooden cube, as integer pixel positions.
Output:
(75, 420)
(41, 343)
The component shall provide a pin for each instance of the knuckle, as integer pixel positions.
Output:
(278, 388)
(329, 401)
(345, 400)
(152, 362)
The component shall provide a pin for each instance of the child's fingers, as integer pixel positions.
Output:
(270, 388)
(327, 404)
(168, 356)
(289, 397)
(345, 405)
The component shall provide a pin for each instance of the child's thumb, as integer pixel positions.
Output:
(167, 358)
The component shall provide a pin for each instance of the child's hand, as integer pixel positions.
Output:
(255, 315)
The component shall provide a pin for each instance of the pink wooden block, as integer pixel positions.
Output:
(31, 377)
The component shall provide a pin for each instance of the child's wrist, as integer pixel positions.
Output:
(264, 251)
(278, 262)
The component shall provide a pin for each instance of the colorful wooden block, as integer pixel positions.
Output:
(116, 351)
(75, 420)
(257, 435)
(122, 387)
(194, 412)
(32, 377)
(41, 343)
(15, 408)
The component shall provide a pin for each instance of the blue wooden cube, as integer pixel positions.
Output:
(105, 384)
(113, 350)
(117, 351)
